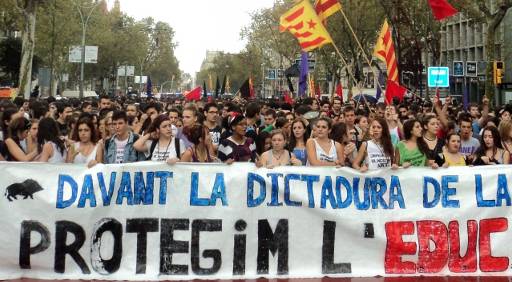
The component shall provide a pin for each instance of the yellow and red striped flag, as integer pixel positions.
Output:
(325, 8)
(385, 51)
(303, 22)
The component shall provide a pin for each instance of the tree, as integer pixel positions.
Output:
(27, 9)
(10, 54)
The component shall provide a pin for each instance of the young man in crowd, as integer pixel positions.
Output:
(269, 120)
(64, 112)
(105, 102)
(119, 148)
(211, 112)
(468, 144)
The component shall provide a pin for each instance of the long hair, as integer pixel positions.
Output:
(495, 138)
(385, 138)
(16, 126)
(408, 128)
(157, 122)
(49, 131)
(293, 141)
(338, 132)
(87, 121)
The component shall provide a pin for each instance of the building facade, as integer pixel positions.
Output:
(463, 48)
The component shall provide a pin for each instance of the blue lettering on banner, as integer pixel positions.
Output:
(141, 192)
(287, 201)
(218, 191)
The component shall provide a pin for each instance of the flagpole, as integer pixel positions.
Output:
(351, 75)
(361, 47)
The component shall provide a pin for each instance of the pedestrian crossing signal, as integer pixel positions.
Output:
(499, 72)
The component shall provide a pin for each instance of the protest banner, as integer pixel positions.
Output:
(151, 221)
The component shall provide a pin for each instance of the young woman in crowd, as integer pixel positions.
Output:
(278, 155)
(50, 145)
(13, 148)
(431, 127)
(321, 150)
(491, 151)
(451, 156)
(298, 139)
(158, 144)
(377, 152)
(199, 135)
(394, 124)
(32, 135)
(413, 151)
(85, 148)
(237, 147)
(362, 124)
(505, 129)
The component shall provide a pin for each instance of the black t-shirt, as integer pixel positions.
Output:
(63, 128)
(215, 134)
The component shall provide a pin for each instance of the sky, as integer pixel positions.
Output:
(199, 25)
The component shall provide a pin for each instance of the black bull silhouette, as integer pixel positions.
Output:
(26, 189)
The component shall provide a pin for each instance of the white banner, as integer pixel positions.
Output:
(148, 221)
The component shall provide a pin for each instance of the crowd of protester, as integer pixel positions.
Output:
(266, 132)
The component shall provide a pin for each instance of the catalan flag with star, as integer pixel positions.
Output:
(303, 22)
(326, 8)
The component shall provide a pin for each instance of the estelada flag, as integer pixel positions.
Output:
(385, 51)
(326, 8)
(393, 89)
(441, 9)
(303, 22)
(193, 95)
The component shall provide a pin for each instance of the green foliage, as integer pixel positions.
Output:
(121, 40)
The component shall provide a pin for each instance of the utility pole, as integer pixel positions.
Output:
(84, 19)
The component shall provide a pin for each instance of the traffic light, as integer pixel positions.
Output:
(499, 72)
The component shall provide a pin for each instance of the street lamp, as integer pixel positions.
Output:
(84, 19)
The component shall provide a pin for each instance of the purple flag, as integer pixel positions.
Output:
(381, 82)
(303, 77)
(465, 97)
(149, 88)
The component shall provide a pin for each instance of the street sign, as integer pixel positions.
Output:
(471, 69)
(272, 74)
(311, 63)
(126, 71)
(438, 77)
(458, 68)
(138, 80)
(91, 54)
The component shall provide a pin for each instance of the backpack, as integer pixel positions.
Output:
(155, 142)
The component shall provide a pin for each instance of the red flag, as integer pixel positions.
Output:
(287, 98)
(441, 9)
(393, 89)
(193, 95)
(339, 91)
(317, 91)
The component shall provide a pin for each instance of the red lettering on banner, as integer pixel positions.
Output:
(439, 246)
(467, 263)
(488, 263)
(396, 247)
(432, 261)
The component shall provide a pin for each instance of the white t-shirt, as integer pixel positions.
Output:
(162, 151)
(120, 146)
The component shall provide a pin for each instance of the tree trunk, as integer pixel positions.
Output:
(27, 48)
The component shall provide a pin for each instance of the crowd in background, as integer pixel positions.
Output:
(268, 133)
